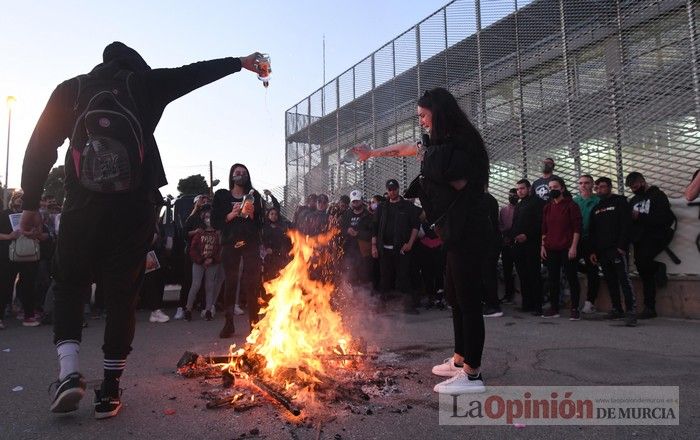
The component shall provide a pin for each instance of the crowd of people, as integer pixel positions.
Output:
(438, 244)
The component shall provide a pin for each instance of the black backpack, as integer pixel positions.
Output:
(107, 143)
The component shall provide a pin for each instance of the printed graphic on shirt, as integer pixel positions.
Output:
(606, 209)
(354, 221)
(542, 191)
(208, 243)
(643, 206)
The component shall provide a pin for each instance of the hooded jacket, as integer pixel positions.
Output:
(152, 90)
(655, 216)
(239, 229)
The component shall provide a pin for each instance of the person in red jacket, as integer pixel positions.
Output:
(205, 252)
(561, 231)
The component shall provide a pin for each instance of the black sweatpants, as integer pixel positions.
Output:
(584, 251)
(556, 260)
(106, 240)
(527, 263)
(508, 278)
(644, 253)
(464, 287)
(394, 268)
(26, 291)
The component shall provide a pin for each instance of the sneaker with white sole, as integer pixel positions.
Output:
(68, 393)
(158, 316)
(179, 314)
(238, 311)
(460, 383)
(588, 308)
(447, 368)
(107, 406)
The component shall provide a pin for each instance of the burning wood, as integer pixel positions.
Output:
(277, 395)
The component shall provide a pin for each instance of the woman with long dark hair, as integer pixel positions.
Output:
(454, 175)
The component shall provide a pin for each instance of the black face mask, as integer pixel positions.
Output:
(513, 200)
(547, 168)
(639, 191)
(554, 193)
(241, 180)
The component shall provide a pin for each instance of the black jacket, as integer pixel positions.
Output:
(405, 222)
(655, 216)
(527, 219)
(152, 90)
(609, 226)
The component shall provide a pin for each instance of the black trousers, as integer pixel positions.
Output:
(251, 278)
(432, 267)
(508, 279)
(464, 287)
(617, 278)
(394, 268)
(26, 286)
(644, 253)
(554, 262)
(489, 271)
(591, 270)
(527, 263)
(107, 241)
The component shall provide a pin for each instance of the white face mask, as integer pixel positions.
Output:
(207, 222)
(374, 206)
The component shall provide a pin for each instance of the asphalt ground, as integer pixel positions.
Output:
(520, 350)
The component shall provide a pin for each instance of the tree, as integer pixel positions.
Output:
(193, 185)
(54, 183)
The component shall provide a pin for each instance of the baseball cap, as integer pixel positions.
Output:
(355, 195)
(392, 183)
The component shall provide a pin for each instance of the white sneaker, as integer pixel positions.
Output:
(447, 368)
(159, 316)
(238, 311)
(179, 314)
(202, 313)
(213, 311)
(588, 307)
(460, 384)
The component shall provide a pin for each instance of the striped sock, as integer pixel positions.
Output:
(113, 369)
(68, 359)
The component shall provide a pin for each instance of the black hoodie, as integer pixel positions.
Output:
(655, 216)
(153, 90)
(609, 226)
(240, 228)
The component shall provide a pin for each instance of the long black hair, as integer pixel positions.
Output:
(450, 123)
(565, 192)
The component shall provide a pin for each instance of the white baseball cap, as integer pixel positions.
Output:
(355, 195)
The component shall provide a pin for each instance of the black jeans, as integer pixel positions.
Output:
(432, 267)
(591, 270)
(26, 291)
(616, 276)
(106, 240)
(555, 261)
(394, 270)
(527, 263)
(508, 279)
(644, 253)
(489, 271)
(464, 287)
(251, 278)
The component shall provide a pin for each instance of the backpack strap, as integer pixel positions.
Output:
(80, 89)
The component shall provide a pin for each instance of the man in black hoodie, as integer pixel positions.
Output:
(609, 230)
(527, 237)
(241, 227)
(83, 251)
(651, 233)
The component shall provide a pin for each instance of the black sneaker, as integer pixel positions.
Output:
(228, 330)
(107, 406)
(188, 315)
(493, 312)
(207, 315)
(68, 393)
(630, 320)
(647, 313)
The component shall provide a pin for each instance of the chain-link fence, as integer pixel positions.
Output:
(604, 87)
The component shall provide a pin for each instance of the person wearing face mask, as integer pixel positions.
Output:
(561, 231)
(276, 242)
(205, 253)
(652, 220)
(454, 174)
(609, 232)
(9, 270)
(356, 228)
(540, 187)
(241, 226)
(505, 224)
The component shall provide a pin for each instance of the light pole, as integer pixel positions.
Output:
(10, 102)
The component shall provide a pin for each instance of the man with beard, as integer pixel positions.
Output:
(356, 227)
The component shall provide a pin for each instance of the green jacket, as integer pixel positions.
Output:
(586, 206)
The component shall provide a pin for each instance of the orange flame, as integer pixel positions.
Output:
(298, 324)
